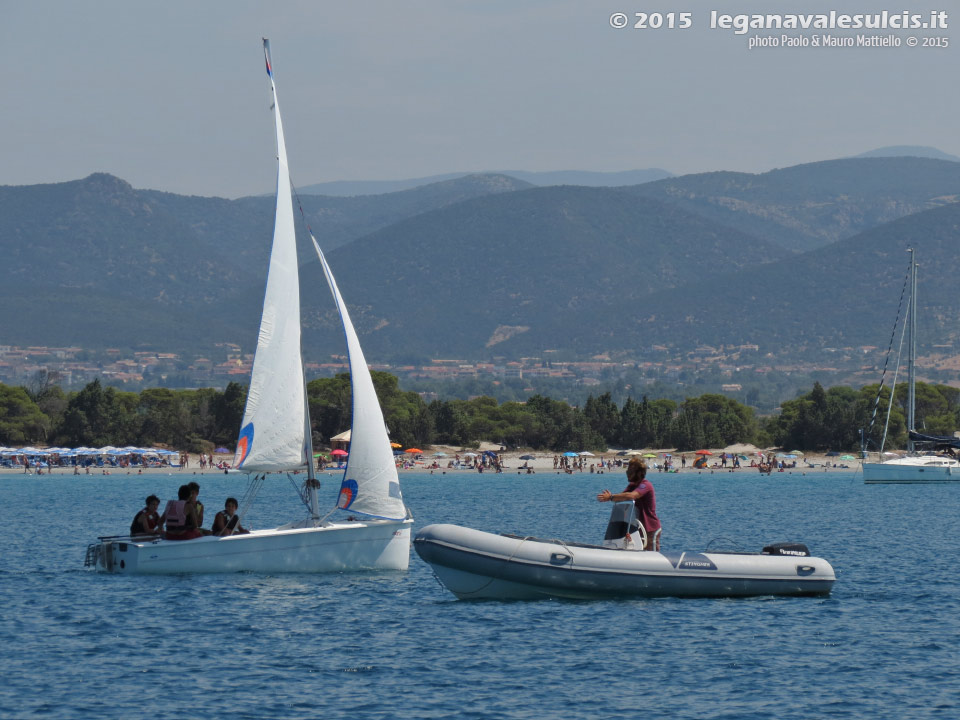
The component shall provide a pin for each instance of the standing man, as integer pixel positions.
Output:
(640, 491)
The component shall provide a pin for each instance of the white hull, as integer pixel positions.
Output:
(474, 565)
(335, 547)
(943, 471)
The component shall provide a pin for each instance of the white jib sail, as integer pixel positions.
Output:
(272, 436)
(370, 484)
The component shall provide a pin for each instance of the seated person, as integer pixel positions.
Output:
(227, 522)
(147, 521)
(181, 517)
(194, 499)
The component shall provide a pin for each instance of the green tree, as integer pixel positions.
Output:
(603, 416)
(712, 420)
(450, 421)
(228, 408)
(98, 416)
(21, 420)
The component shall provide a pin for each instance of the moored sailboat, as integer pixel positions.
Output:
(275, 437)
(939, 466)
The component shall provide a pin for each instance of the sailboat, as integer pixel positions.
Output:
(275, 437)
(915, 467)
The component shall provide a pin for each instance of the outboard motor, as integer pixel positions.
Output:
(788, 549)
(623, 523)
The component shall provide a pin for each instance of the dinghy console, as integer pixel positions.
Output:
(624, 531)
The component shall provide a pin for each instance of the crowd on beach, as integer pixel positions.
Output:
(42, 462)
(497, 460)
(658, 462)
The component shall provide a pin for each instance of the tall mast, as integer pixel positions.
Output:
(313, 485)
(912, 353)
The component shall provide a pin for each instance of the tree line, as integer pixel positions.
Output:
(199, 420)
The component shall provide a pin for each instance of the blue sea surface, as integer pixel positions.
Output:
(81, 644)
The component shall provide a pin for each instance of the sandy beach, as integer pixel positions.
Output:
(517, 461)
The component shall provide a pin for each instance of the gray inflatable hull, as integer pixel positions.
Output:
(477, 565)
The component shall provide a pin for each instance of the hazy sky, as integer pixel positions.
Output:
(173, 95)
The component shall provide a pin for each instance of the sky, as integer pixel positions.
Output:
(173, 95)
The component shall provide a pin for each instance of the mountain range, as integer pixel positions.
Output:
(556, 177)
(808, 257)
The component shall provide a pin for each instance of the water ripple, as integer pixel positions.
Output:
(77, 644)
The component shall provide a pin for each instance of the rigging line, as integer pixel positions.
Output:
(250, 494)
(303, 489)
(893, 390)
(303, 215)
(893, 334)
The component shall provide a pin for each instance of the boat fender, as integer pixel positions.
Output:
(788, 549)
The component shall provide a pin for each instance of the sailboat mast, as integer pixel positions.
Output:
(313, 485)
(912, 354)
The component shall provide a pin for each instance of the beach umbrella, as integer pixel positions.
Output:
(396, 445)
(339, 453)
(796, 452)
(703, 452)
(440, 454)
(528, 457)
(587, 453)
(415, 451)
(221, 450)
(832, 453)
(570, 454)
(649, 455)
(847, 457)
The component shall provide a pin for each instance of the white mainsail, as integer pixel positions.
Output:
(370, 484)
(272, 434)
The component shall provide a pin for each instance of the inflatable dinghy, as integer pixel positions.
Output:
(480, 565)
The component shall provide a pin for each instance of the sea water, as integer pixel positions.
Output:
(81, 644)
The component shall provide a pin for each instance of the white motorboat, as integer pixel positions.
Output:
(275, 438)
(935, 466)
(481, 565)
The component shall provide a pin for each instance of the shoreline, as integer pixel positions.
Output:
(512, 464)
(539, 462)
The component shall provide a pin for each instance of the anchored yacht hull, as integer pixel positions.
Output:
(334, 547)
(914, 470)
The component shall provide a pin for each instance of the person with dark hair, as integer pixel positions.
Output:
(197, 505)
(147, 521)
(640, 491)
(227, 522)
(181, 518)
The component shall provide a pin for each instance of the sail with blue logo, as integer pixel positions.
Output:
(370, 484)
(272, 434)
